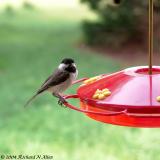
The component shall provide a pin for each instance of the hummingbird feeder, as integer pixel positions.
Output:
(130, 97)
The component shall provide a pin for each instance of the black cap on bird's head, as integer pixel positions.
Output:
(67, 61)
(68, 64)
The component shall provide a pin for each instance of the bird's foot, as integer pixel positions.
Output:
(61, 101)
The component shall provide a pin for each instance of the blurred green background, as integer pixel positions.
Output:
(33, 40)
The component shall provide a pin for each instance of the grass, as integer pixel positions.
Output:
(31, 46)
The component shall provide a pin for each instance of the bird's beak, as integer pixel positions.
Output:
(74, 65)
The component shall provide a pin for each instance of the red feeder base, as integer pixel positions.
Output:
(133, 100)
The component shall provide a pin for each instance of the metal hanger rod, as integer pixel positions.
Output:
(150, 31)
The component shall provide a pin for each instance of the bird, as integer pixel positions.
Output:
(60, 80)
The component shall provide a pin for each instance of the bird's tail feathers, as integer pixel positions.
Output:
(32, 98)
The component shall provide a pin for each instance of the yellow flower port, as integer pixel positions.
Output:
(102, 94)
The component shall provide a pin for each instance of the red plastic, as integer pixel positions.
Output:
(132, 102)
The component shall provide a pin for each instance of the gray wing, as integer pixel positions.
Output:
(56, 78)
(46, 81)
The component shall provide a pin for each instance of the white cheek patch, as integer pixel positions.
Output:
(61, 66)
(74, 64)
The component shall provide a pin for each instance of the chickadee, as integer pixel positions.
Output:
(59, 81)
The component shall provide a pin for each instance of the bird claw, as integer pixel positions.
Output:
(61, 101)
